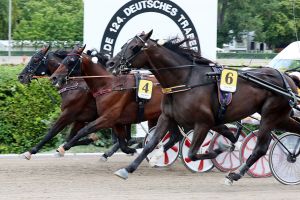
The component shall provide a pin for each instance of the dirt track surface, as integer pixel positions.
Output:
(83, 177)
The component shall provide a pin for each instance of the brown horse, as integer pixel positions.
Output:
(191, 97)
(115, 97)
(78, 105)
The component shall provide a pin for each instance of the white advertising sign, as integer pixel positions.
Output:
(108, 24)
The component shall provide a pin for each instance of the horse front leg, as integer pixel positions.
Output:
(123, 139)
(76, 127)
(200, 133)
(64, 119)
(175, 137)
(99, 123)
(161, 129)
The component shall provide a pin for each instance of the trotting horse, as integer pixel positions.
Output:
(115, 97)
(78, 105)
(191, 97)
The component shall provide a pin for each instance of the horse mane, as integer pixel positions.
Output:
(61, 53)
(175, 45)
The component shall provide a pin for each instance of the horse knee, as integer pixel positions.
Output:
(261, 151)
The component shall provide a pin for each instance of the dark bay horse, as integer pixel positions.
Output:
(78, 105)
(191, 97)
(115, 97)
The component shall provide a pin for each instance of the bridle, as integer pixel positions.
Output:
(125, 63)
(66, 63)
(32, 67)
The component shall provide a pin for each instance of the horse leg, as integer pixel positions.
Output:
(116, 145)
(200, 133)
(175, 137)
(162, 126)
(91, 127)
(76, 127)
(63, 120)
(290, 125)
(122, 135)
(110, 151)
(224, 131)
(260, 149)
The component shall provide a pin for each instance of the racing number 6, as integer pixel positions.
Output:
(228, 78)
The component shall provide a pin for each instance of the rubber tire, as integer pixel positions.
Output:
(207, 164)
(216, 162)
(273, 156)
(264, 161)
(175, 148)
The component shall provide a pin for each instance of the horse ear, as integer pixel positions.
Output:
(49, 46)
(148, 35)
(82, 48)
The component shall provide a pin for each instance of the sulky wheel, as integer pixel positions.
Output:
(199, 165)
(169, 157)
(261, 168)
(229, 160)
(284, 159)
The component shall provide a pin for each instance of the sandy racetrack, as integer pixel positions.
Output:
(85, 177)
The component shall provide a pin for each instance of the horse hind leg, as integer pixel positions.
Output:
(290, 125)
(175, 137)
(200, 133)
(263, 141)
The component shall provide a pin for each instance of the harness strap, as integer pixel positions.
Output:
(292, 102)
(72, 87)
(101, 92)
(175, 89)
(139, 101)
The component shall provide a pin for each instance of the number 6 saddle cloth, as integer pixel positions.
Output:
(223, 97)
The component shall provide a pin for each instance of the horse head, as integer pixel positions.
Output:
(131, 54)
(34, 66)
(69, 66)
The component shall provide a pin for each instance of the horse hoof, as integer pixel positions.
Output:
(26, 155)
(94, 137)
(60, 152)
(103, 159)
(228, 181)
(122, 173)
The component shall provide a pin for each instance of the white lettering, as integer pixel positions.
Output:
(150, 4)
(182, 17)
(127, 11)
(187, 30)
(107, 47)
(185, 23)
(168, 8)
(109, 40)
(174, 12)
